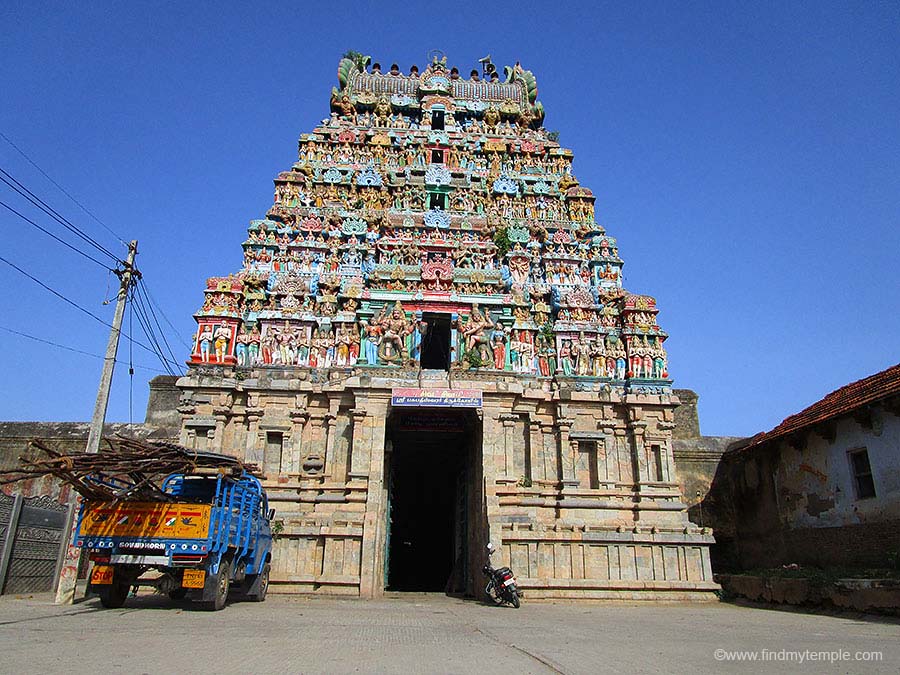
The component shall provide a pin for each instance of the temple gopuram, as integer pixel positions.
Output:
(429, 347)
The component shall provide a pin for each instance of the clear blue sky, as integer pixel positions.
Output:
(746, 155)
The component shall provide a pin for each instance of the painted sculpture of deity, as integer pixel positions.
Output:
(204, 342)
(394, 329)
(221, 338)
(474, 332)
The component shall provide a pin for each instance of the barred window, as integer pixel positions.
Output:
(862, 473)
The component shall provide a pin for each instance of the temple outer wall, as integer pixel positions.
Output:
(555, 489)
(579, 487)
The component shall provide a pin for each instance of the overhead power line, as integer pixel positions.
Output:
(153, 303)
(146, 312)
(50, 234)
(149, 332)
(62, 189)
(72, 302)
(12, 182)
(67, 348)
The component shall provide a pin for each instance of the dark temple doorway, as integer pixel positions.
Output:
(430, 468)
(435, 341)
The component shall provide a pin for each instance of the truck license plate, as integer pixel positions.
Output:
(193, 578)
(102, 574)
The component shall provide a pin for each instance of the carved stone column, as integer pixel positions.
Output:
(359, 456)
(640, 453)
(607, 446)
(666, 427)
(328, 424)
(534, 463)
(291, 457)
(509, 422)
(567, 452)
(187, 435)
(221, 415)
(548, 454)
(253, 451)
(373, 439)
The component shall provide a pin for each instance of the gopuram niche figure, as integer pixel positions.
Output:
(395, 327)
(433, 194)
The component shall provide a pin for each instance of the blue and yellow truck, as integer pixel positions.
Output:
(210, 534)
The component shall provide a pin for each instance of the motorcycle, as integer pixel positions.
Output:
(501, 586)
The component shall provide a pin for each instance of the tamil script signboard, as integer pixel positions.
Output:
(436, 398)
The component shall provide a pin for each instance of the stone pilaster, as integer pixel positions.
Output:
(568, 450)
(550, 466)
(253, 451)
(534, 463)
(606, 448)
(371, 581)
(358, 470)
(294, 453)
(328, 425)
(508, 421)
(218, 441)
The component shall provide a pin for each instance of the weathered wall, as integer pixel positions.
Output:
(162, 406)
(795, 501)
(696, 463)
(687, 417)
(697, 460)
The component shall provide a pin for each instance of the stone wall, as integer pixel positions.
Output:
(582, 492)
(687, 417)
(697, 459)
(576, 488)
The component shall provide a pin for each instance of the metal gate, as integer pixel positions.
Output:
(32, 531)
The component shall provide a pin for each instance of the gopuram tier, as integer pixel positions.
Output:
(430, 301)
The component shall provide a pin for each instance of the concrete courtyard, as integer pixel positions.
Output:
(430, 633)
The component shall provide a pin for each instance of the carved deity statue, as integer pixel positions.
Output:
(204, 342)
(394, 329)
(221, 337)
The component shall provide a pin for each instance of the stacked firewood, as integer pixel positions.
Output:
(124, 468)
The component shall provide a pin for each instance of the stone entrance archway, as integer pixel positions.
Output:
(432, 515)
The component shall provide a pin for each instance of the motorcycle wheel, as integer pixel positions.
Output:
(492, 595)
(514, 599)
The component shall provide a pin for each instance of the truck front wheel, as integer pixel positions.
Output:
(222, 585)
(262, 585)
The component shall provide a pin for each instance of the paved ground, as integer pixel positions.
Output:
(416, 633)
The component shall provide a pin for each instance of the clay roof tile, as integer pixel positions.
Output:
(839, 402)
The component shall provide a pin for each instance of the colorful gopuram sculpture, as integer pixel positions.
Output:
(431, 193)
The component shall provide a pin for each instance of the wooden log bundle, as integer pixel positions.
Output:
(124, 468)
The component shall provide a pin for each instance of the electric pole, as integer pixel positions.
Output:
(68, 573)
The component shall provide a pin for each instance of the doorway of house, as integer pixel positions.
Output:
(430, 504)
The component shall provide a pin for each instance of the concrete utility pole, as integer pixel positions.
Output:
(68, 574)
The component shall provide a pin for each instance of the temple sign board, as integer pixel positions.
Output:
(435, 398)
